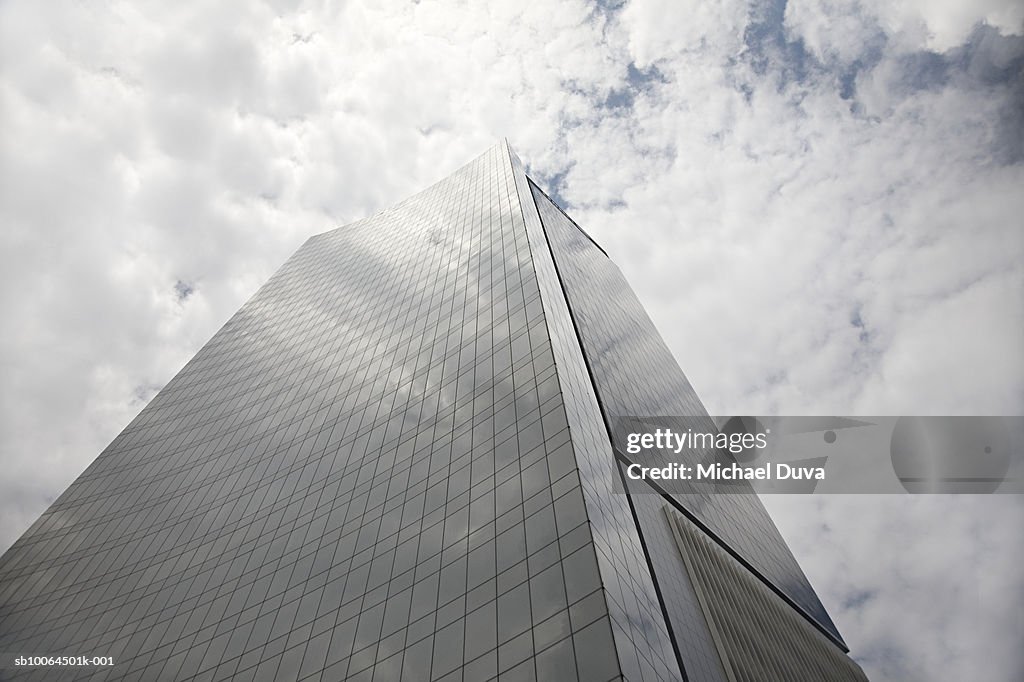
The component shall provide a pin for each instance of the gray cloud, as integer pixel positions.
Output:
(917, 576)
(818, 202)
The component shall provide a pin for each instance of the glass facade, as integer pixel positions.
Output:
(635, 374)
(393, 462)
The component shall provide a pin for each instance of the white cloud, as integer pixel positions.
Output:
(663, 29)
(912, 576)
(844, 28)
(821, 231)
(840, 30)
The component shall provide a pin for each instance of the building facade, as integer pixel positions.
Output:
(395, 462)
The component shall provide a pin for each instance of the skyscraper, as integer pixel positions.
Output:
(395, 462)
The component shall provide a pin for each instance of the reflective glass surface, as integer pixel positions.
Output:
(366, 474)
(641, 634)
(393, 463)
(635, 374)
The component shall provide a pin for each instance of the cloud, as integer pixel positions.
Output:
(843, 28)
(818, 202)
(823, 227)
(918, 583)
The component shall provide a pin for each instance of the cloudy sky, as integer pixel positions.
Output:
(819, 201)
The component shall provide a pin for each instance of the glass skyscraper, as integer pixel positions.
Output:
(395, 462)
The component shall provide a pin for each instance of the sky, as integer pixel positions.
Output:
(819, 202)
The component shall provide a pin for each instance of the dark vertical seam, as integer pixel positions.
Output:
(608, 430)
(658, 489)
